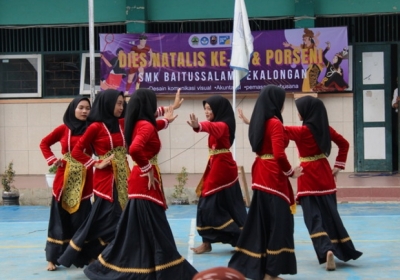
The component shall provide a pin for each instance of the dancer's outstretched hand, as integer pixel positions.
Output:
(178, 100)
(193, 122)
(169, 114)
(242, 116)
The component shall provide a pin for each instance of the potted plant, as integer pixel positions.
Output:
(10, 194)
(50, 176)
(179, 195)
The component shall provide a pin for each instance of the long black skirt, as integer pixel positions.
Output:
(62, 226)
(95, 233)
(144, 248)
(221, 216)
(266, 245)
(326, 228)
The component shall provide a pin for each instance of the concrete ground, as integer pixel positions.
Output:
(374, 228)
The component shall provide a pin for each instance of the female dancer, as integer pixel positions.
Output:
(316, 190)
(72, 187)
(106, 137)
(221, 212)
(144, 247)
(266, 246)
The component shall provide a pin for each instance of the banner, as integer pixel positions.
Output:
(299, 60)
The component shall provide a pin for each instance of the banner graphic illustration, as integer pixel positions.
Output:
(299, 60)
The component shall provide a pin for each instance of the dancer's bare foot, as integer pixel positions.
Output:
(51, 266)
(330, 261)
(269, 277)
(203, 248)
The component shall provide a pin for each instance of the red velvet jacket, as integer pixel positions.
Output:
(145, 146)
(317, 178)
(100, 138)
(221, 171)
(62, 134)
(271, 174)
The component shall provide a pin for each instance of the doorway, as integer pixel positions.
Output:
(372, 101)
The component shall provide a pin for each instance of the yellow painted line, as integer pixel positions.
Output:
(369, 241)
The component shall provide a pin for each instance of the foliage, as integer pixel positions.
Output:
(8, 177)
(181, 178)
(53, 169)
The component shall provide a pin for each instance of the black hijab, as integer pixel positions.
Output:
(141, 106)
(269, 104)
(76, 126)
(314, 115)
(124, 110)
(103, 109)
(223, 112)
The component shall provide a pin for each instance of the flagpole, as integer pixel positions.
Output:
(242, 49)
(91, 51)
(234, 114)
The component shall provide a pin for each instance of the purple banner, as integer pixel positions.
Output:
(299, 60)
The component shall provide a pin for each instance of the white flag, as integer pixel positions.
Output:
(242, 43)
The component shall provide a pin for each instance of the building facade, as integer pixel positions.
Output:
(47, 42)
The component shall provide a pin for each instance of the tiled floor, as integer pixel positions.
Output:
(373, 227)
(368, 187)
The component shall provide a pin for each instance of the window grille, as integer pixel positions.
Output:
(52, 39)
(217, 26)
(367, 28)
(361, 29)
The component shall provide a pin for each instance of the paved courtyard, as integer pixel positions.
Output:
(373, 227)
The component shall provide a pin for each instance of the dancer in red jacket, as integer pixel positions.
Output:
(105, 135)
(316, 189)
(72, 187)
(144, 247)
(266, 246)
(221, 212)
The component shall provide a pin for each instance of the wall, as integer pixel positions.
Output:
(41, 12)
(356, 7)
(23, 123)
(222, 9)
(38, 12)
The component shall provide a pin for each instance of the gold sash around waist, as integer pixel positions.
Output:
(74, 182)
(212, 152)
(312, 158)
(121, 173)
(266, 156)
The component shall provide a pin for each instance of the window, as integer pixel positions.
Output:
(61, 74)
(20, 76)
(85, 73)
